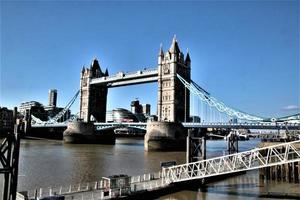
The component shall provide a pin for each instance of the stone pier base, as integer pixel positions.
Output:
(165, 136)
(84, 133)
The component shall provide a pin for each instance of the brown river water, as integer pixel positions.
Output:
(45, 163)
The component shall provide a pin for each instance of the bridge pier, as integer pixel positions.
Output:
(232, 143)
(165, 136)
(288, 172)
(196, 145)
(84, 132)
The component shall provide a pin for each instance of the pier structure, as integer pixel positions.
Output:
(9, 165)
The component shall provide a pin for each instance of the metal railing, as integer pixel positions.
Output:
(244, 161)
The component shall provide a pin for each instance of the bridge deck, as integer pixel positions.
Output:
(274, 126)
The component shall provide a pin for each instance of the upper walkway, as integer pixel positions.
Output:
(130, 78)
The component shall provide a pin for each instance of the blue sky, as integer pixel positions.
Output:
(245, 53)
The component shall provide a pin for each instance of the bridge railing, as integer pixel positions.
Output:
(94, 190)
(65, 190)
(244, 161)
(122, 75)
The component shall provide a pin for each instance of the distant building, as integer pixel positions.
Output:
(27, 106)
(44, 112)
(33, 108)
(147, 109)
(136, 107)
(52, 98)
(120, 115)
(195, 119)
(142, 112)
(233, 120)
(52, 110)
(6, 121)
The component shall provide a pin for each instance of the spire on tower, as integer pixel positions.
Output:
(174, 46)
(161, 52)
(187, 58)
(96, 69)
(106, 72)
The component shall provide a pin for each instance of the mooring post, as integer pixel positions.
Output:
(203, 146)
(232, 142)
(188, 149)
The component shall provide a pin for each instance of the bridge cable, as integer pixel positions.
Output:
(213, 102)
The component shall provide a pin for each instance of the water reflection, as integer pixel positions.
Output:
(45, 163)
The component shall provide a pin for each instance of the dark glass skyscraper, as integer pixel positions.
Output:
(52, 99)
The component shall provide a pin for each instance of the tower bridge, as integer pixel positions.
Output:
(173, 98)
(175, 101)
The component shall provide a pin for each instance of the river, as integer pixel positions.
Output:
(45, 163)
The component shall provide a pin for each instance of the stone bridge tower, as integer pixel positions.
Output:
(173, 98)
(93, 98)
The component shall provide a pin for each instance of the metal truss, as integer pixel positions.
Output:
(9, 159)
(213, 102)
(54, 120)
(244, 161)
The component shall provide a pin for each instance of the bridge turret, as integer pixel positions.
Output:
(92, 97)
(106, 72)
(173, 100)
(160, 55)
(83, 70)
(96, 69)
(187, 59)
(174, 50)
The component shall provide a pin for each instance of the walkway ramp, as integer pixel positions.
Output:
(248, 160)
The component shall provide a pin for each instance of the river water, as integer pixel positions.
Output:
(45, 163)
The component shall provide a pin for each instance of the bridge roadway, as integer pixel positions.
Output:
(129, 78)
(257, 125)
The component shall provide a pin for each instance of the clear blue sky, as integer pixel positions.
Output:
(245, 53)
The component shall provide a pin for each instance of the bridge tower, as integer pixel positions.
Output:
(173, 103)
(173, 98)
(93, 98)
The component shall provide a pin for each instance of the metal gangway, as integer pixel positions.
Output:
(245, 161)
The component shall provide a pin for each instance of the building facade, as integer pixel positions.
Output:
(146, 109)
(25, 106)
(173, 98)
(52, 97)
(121, 115)
(93, 98)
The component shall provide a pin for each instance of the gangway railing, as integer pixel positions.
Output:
(249, 160)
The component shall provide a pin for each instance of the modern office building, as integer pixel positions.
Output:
(120, 115)
(136, 107)
(146, 109)
(52, 97)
